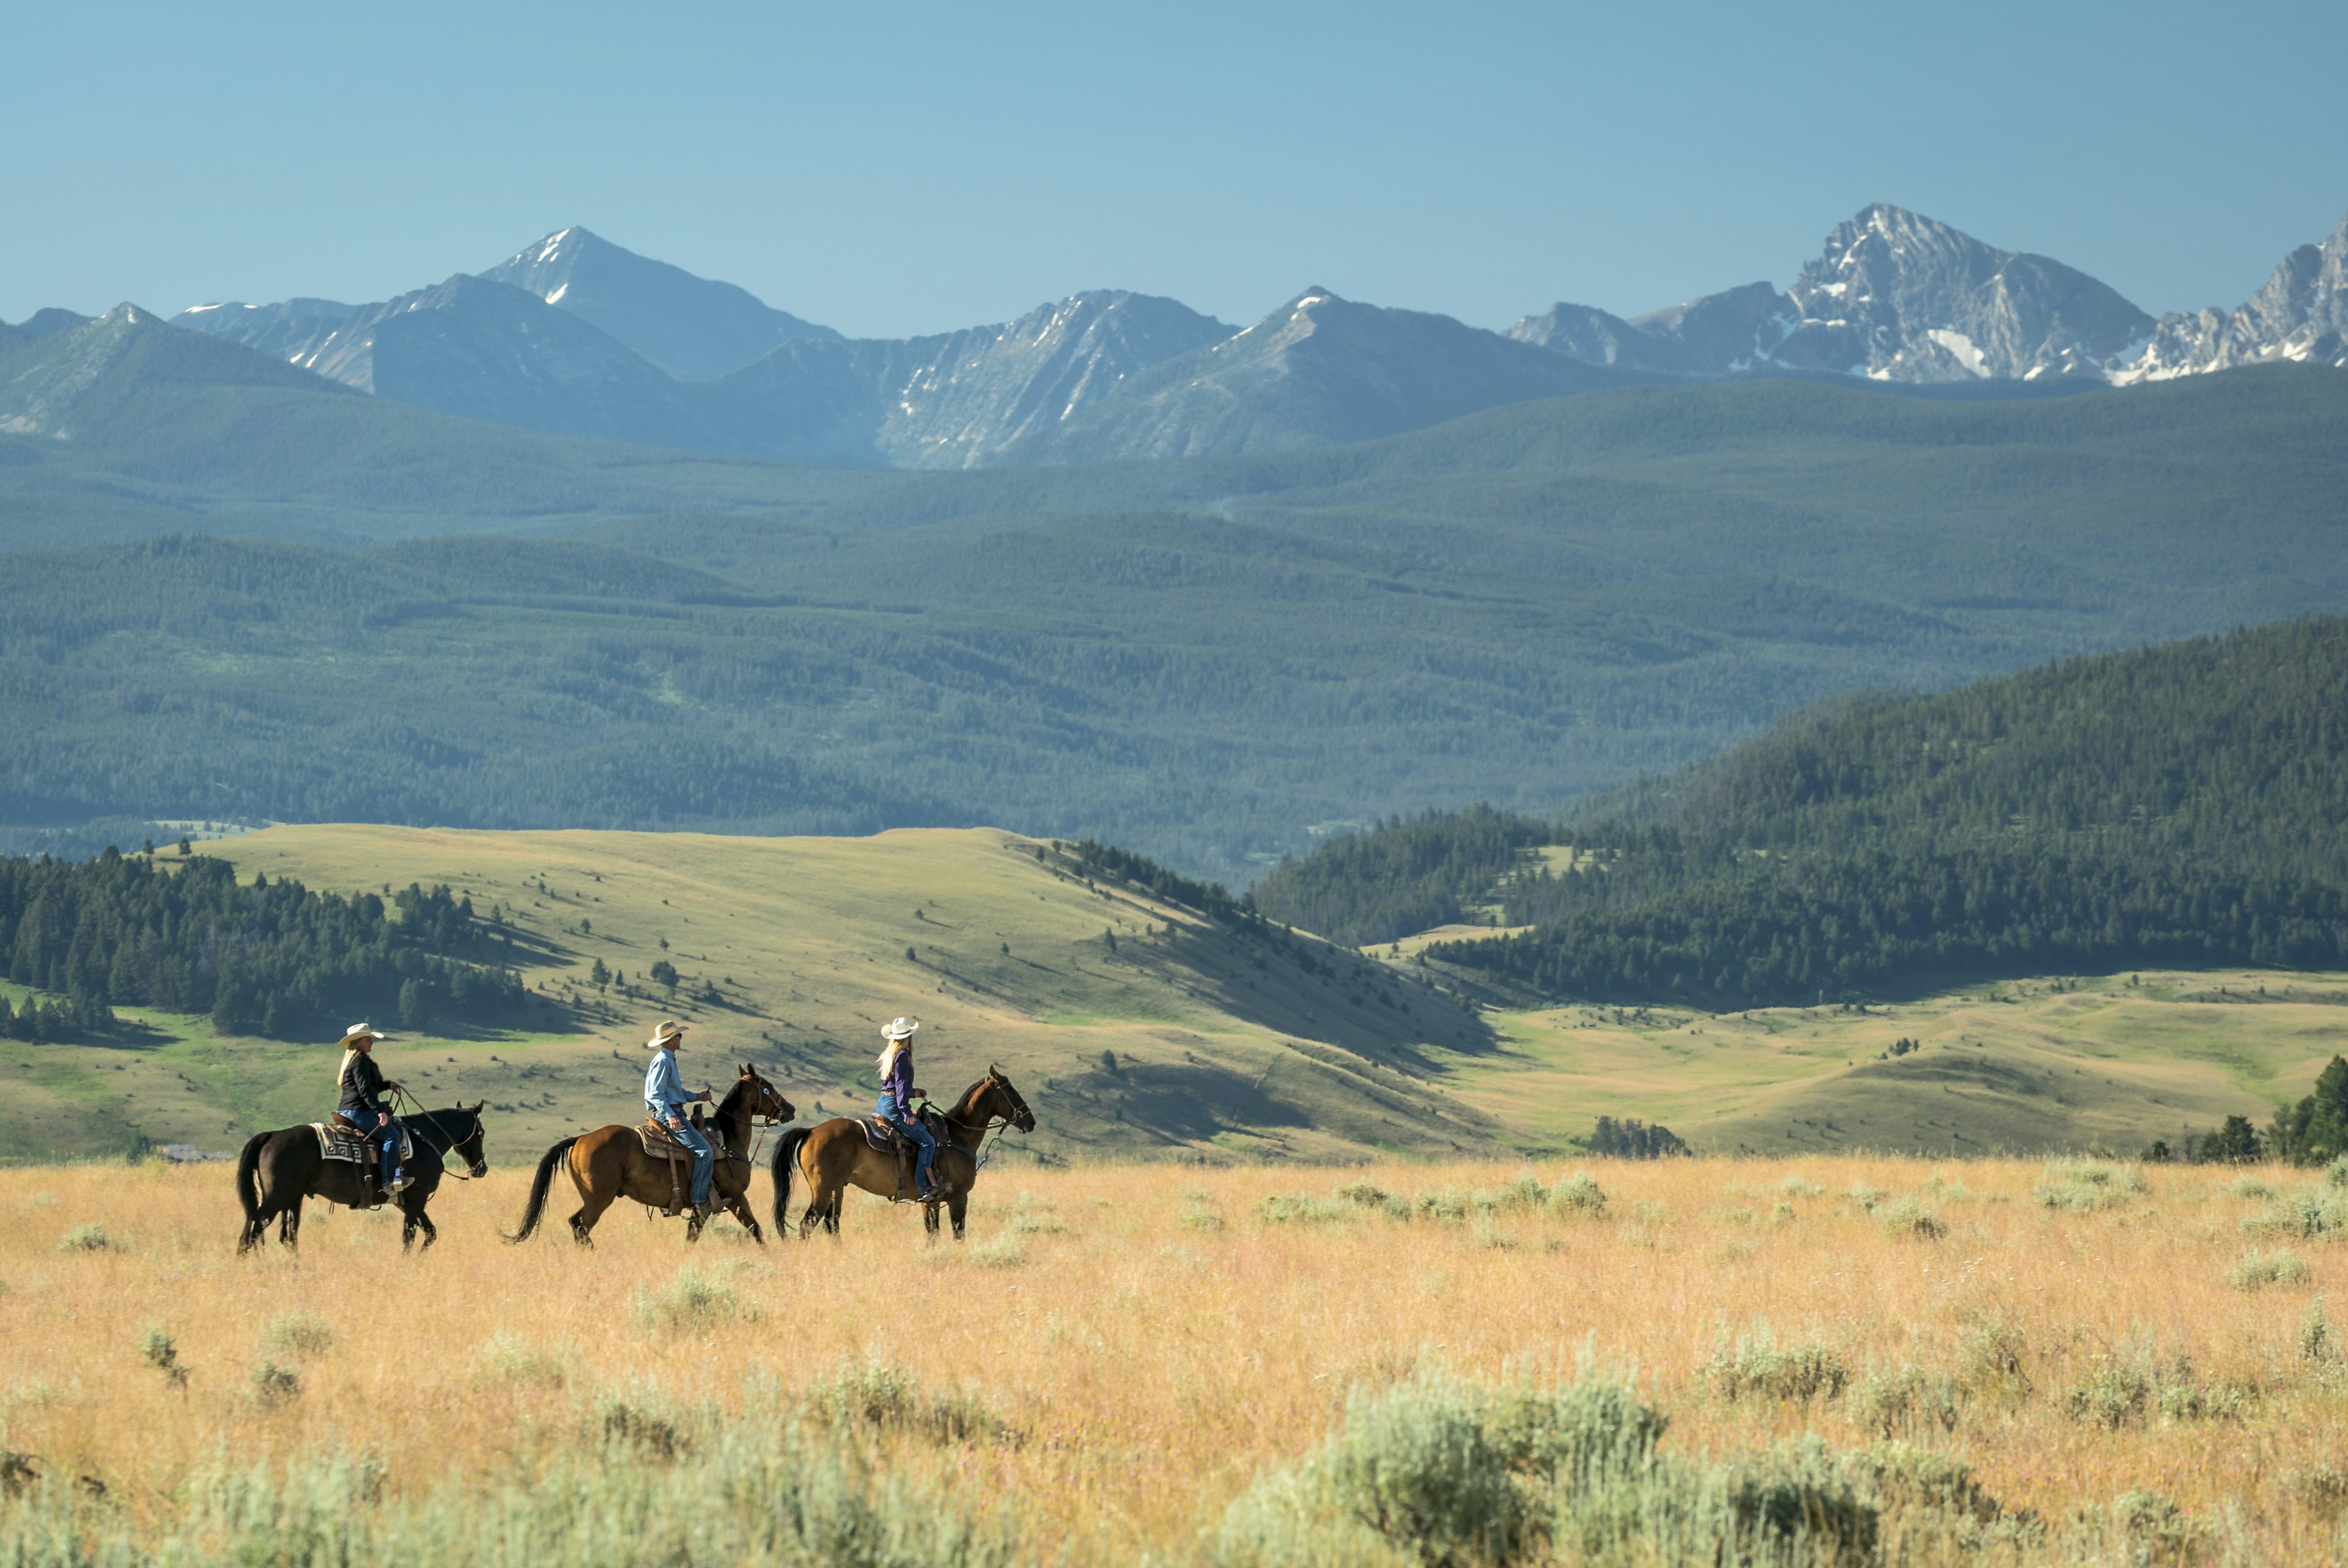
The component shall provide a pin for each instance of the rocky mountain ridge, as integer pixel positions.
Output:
(1895, 296)
(575, 335)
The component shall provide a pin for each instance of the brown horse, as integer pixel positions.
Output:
(609, 1163)
(835, 1156)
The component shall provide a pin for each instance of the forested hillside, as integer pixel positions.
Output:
(272, 959)
(2174, 805)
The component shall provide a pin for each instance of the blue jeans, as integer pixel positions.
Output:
(911, 1126)
(705, 1158)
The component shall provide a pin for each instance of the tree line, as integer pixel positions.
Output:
(269, 958)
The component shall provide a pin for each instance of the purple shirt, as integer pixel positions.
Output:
(900, 1081)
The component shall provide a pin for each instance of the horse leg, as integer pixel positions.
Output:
(417, 1218)
(289, 1224)
(957, 1206)
(930, 1220)
(738, 1205)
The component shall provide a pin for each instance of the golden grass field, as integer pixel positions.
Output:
(1151, 1340)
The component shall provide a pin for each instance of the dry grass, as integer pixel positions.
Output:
(1118, 1353)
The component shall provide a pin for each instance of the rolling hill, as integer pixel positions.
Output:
(1141, 1023)
(1136, 1024)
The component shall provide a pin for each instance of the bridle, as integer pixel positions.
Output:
(989, 1124)
(424, 1118)
(758, 1121)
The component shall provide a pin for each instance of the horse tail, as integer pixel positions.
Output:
(787, 1156)
(539, 1184)
(247, 1178)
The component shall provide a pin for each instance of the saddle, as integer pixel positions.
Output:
(885, 1139)
(662, 1145)
(340, 1140)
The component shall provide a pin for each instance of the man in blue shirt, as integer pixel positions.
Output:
(664, 1093)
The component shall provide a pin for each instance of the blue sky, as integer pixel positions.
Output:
(921, 166)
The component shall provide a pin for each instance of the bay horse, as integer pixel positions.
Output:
(277, 1169)
(835, 1156)
(609, 1163)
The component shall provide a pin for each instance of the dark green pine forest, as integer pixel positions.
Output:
(2180, 805)
(272, 959)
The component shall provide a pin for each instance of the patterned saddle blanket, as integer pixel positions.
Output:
(337, 1142)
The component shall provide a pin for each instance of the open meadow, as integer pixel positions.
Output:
(1828, 1358)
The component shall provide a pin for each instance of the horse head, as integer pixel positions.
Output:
(1001, 1100)
(764, 1099)
(476, 1161)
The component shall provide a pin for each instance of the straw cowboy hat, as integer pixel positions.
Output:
(899, 1029)
(356, 1032)
(670, 1029)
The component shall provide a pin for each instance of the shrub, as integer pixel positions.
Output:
(1990, 1356)
(2111, 1395)
(1006, 1250)
(1367, 1195)
(88, 1238)
(1525, 1192)
(2082, 1186)
(1578, 1194)
(275, 1384)
(1444, 1206)
(2259, 1270)
(509, 1357)
(1799, 1187)
(1282, 1210)
(1864, 1196)
(2317, 1342)
(1755, 1367)
(1197, 1218)
(2252, 1187)
(1906, 1216)
(874, 1396)
(298, 1334)
(1443, 1470)
(1031, 1216)
(692, 1300)
(1909, 1399)
(161, 1351)
(2335, 1174)
(2312, 1213)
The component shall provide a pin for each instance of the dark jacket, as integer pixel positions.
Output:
(363, 1083)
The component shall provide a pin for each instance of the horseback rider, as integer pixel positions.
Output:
(896, 1102)
(362, 1087)
(664, 1093)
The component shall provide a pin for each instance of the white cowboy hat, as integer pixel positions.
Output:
(899, 1029)
(358, 1032)
(669, 1029)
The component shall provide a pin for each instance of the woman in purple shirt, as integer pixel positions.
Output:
(896, 1101)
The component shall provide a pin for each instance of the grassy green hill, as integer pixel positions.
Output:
(1136, 1027)
(1190, 1038)
(2025, 1066)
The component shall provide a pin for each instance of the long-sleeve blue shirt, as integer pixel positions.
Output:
(663, 1090)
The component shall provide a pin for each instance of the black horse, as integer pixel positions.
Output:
(278, 1170)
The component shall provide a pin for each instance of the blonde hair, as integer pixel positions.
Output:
(889, 1054)
(344, 1075)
